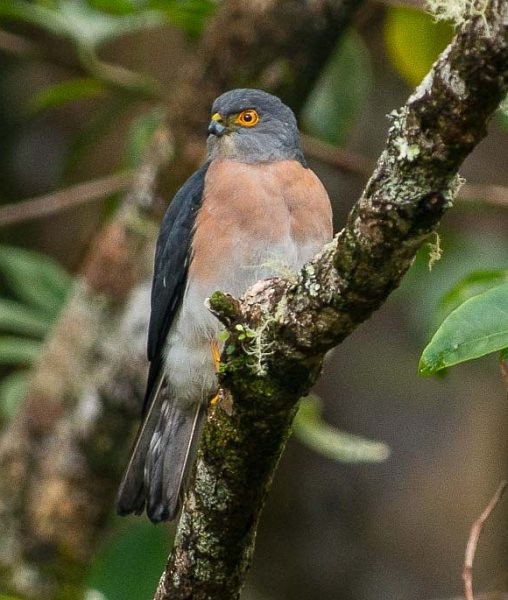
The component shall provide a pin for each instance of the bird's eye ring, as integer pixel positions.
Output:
(247, 118)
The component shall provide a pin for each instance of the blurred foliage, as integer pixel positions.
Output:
(78, 21)
(88, 25)
(477, 327)
(409, 28)
(502, 114)
(332, 110)
(310, 429)
(469, 286)
(140, 133)
(34, 291)
(413, 41)
(94, 22)
(189, 15)
(67, 91)
(130, 563)
(423, 292)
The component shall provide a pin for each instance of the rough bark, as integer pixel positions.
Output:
(281, 329)
(62, 457)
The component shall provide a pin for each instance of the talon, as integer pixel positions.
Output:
(215, 400)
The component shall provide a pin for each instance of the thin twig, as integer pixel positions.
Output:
(345, 160)
(120, 77)
(17, 45)
(474, 535)
(342, 159)
(493, 195)
(76, 195)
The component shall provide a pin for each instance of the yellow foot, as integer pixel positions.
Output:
(215, 354)
(214, 346)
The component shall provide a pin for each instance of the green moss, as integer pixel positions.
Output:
(224, 305)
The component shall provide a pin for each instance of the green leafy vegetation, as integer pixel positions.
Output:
(81, 88)
(310, 429)
(479, 326)
(331, 111)
(407, 28)
(37, 289)
(130, 563)
(471, 285)
(88, 25)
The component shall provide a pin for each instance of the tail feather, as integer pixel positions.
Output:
(131, 493)
(171, 457)
(162, 457)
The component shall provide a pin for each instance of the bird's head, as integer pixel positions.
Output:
(253, 126)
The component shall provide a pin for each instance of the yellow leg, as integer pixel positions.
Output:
(215, 354)
(216, 361)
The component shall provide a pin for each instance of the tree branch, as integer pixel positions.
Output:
(293, 323)
(62, 457)
(345, 160)
(76, 195)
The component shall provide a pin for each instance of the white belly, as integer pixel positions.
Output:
(189, 364)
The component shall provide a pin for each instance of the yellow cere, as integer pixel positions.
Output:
(247, 118)
(216, 117)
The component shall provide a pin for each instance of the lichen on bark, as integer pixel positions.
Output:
(414, 182)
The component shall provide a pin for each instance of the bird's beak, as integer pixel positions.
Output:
(216, 125)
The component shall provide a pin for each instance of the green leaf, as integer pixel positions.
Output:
(18, 318)
(223, 335)
(311, 430)
(101, 123)
(79, 21)
(116, 7)
(189, 15)
(477, 327)
(471, 285)
(130, 563)
(340, 94)
(34, 278)
(413, 41)
(68, 91)
(18, 351)
(13, 390)
(33, 14)
(93, 27)
(503, 354)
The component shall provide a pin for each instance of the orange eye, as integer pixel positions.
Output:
(247, 118)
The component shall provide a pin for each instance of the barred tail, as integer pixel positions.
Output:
(162, 458)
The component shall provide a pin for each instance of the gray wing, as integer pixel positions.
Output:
(161, 417)
(172, 257)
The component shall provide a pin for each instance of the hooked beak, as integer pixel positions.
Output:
(216, 125)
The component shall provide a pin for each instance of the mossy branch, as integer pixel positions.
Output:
(62, 457)
(414, 182)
